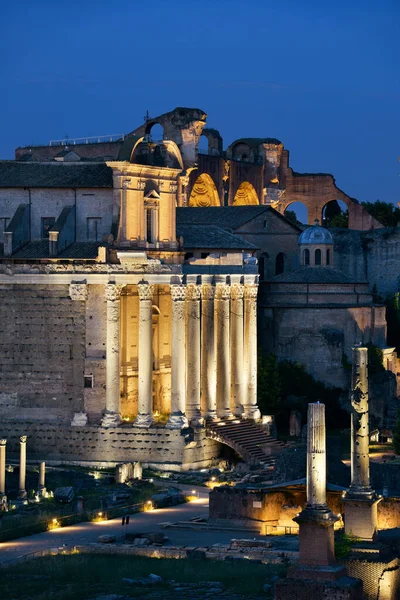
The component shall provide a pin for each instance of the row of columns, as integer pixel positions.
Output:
(22, 494)
(213, 352)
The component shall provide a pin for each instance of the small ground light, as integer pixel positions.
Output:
(213, 479)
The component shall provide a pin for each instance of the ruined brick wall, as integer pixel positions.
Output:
(42, 350)
(45, 153)
(242, 171)
(380, 579)
(214, 167)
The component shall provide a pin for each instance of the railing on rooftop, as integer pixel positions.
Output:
(97, 139)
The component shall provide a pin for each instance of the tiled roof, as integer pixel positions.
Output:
(54, 175)
(198, 236)
(228, 217)
(40, 249)
(315, 275)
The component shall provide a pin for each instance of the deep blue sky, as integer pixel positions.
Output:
(323, 76)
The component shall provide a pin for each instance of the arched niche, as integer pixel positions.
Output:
(204, 192)
(246, 194)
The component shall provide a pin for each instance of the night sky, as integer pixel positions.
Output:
(322, 76)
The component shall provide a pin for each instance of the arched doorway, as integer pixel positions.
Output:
(335, 214)
(204, 192)
(297, 212)
(246, 194)
(280, 263)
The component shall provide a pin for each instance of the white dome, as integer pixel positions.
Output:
(316, 235)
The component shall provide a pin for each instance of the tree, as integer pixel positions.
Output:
(291, 216)
(396, 434)
(339, 220)
(393, 320)
(268, 383)
(385, 213)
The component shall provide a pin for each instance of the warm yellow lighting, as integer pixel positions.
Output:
(100, 514)
(151, 480)
(148, 505)
(54, 524)
(213, 479)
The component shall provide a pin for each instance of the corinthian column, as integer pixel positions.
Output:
(250, 351)
(22, 467)
(237, 380)
(145, 386)
(221, 312)
(208, 366)
(3, 467)
(177, 419)
(111, 416)
(193, 354)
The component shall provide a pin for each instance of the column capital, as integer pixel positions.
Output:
(207, 291)
(78, 291)
(222, 291)
(237, 291)
(193, 291)
(113, 291)
(23, 439)
(3, 442)
(178, 292)
(250, 291)
(145, 291)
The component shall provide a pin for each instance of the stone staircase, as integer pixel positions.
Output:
(251, 441)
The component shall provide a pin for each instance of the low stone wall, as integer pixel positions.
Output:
(157, 446)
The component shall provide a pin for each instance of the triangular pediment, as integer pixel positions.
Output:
(152, 194)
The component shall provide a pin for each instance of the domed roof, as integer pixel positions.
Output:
(316, 235)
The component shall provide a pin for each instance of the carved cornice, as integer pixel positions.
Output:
(113, 291)
(207, 291)
(193, 292)
(250, 292)
(237, 291)
(178, 292)
(23, 439)
(145, 291)
(222, 291)
(78, 291)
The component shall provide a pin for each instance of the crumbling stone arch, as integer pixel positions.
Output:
(298, 206)
(245, 194)
(155, 130)
(204, 193)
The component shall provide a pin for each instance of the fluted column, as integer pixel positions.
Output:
(316, 455)
(208, 365)
(178, 419)
(42, 476)
(22, 467)
(250, 351)
(145, 355)
(193, 354)
(237, 379)
(221, 317)
(111, 416)
(3, 467)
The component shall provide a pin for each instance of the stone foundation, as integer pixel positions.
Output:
(168, 449)
(344, 588)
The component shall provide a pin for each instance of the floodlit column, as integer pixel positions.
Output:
(208, 366)
(250, 351)
(359, 422)
(237, 379)
(316, 455)
(42, 474)
(22, 467)
(111, 417)
(221, 312)
(193, 354)
(3, 467)
(178, 419)
(145, 386)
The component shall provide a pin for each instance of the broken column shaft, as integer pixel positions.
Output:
(3, 467)
(22, 467)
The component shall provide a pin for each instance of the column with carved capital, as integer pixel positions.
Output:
(237, 379)
(250, 352)
(178, 419)
(111, 416)
(221, 317)
(193, 354)
(208, 366)
(145, 375)
(2, 468)
(78, 291)
(22, 467)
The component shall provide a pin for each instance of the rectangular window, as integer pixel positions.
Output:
(88, 381)
(149, 225)
(47, 224)
(3, 225)
(93, 226)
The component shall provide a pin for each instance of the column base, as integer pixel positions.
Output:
(361, 516)
(177, 421)
(194, 417)
(251, 412)
(144, 420)
(80, 420)
(225, 413)
(110, 419)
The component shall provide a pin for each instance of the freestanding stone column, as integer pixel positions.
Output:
(237, 356)
(193, 354)
(22, 467)
(316, 456)
(178, 419)
(361, 501)
(250, 351)
(42, 475)
(3, 467)
(111, 416)
(221, 318)
(145, 385)
(208, 365)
